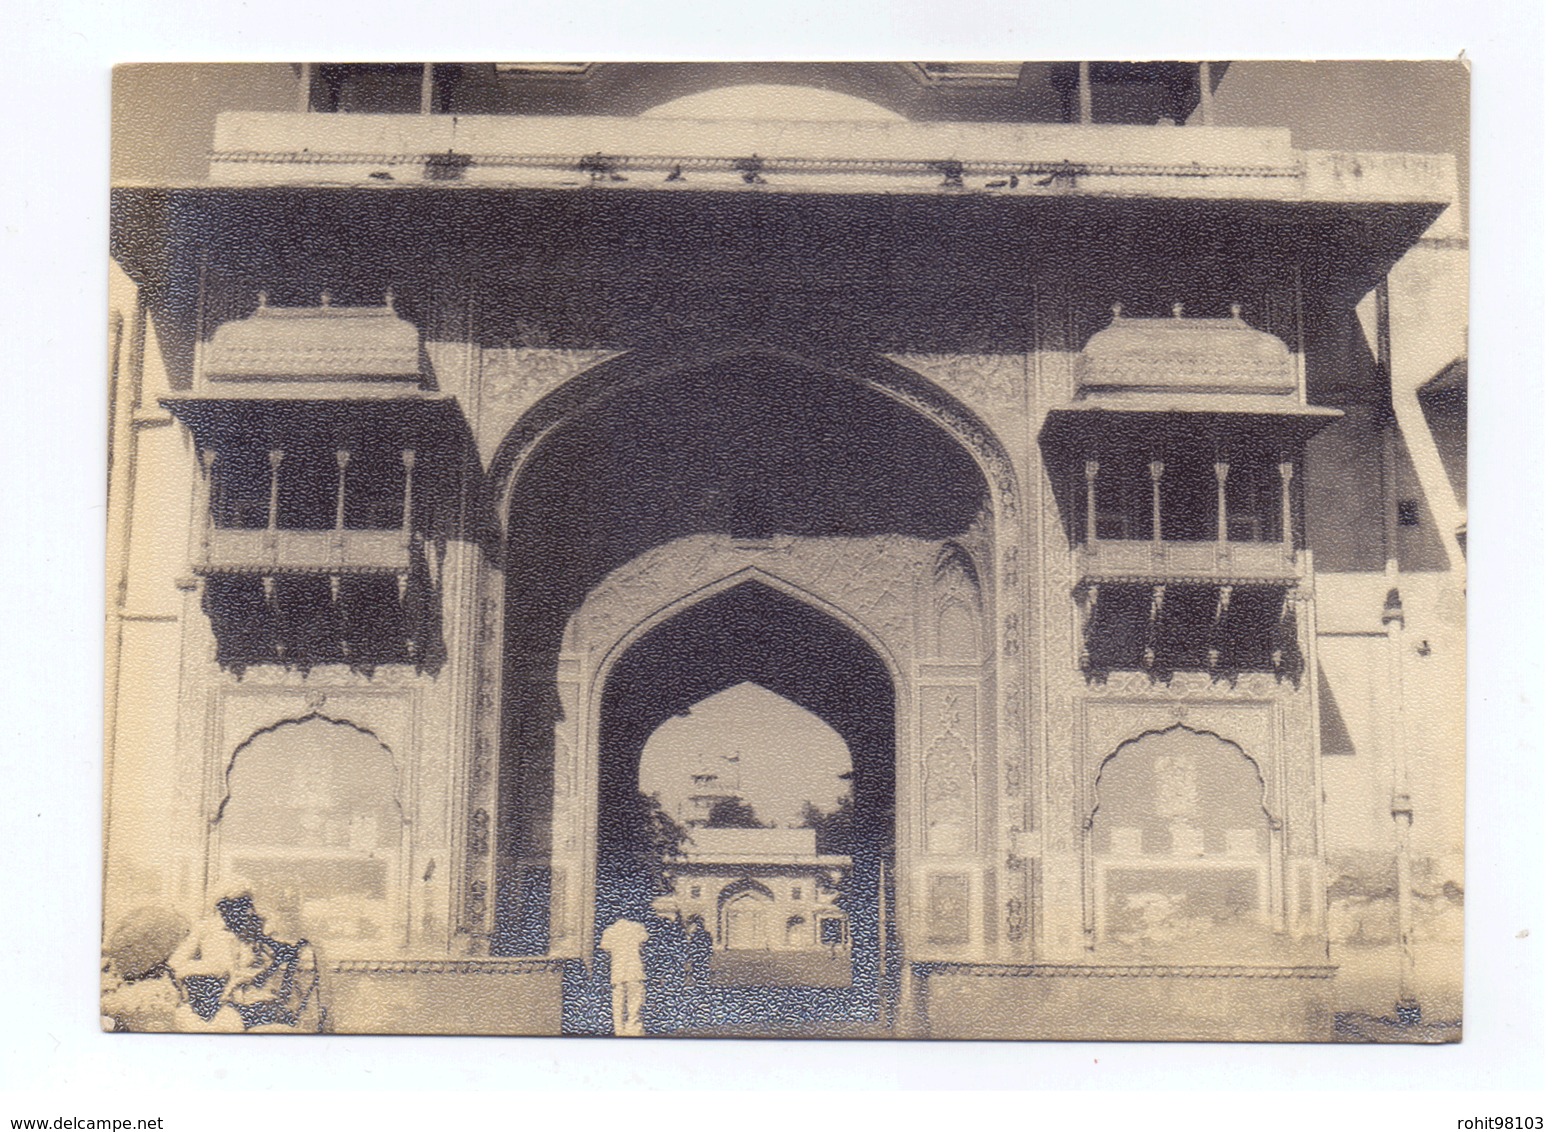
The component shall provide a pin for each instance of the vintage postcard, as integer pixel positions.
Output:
(880, 550)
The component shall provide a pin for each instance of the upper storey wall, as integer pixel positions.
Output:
(1005, 159)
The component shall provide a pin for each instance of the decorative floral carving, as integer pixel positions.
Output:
(1011, 634)
(480, 769)
(479, 833)
(1184, 688)
(482, 765)
(1015, 919)
(992, 383)
(514, 379)
(475, 906)
(1052, 586)
(871, 579)
(949, 721)
(995, 464)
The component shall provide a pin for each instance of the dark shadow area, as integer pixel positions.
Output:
(955, 271)
(1334, 732)
(1444, 399)
(1191, 628)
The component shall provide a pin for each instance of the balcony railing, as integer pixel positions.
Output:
(1209, 562)
(322, 552)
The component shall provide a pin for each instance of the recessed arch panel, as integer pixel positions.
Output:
(312, 824)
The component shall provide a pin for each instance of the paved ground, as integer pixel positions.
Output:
(1356, 1027)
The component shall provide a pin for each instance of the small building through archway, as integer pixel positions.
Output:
(744, 864)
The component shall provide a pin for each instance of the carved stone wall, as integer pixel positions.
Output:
(391, 707)
(879, 585)
(872, 580)
(947, 737)
(511, 381)
(992, 384)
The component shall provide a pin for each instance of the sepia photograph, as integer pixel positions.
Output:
(840, 550)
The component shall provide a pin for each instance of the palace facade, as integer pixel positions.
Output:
(1093, 465)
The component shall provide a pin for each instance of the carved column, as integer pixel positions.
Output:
(276, 456)
(1286, 513)
(1222, 520)
(477, 890)
(1156, 472)
(1092, 469)
(947, 725)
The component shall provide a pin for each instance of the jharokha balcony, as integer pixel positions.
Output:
(1177, 600)
(1219, 560)
(229, 545)
(326, 466)
(1179, 469)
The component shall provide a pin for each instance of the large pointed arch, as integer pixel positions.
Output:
(750, 626)
(635, 369)
(934, 461)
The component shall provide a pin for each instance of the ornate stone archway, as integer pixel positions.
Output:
(949, 615)
(640, 598)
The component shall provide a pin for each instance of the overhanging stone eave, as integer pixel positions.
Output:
(157, 233)
(268, 135)
(1104, 418)
(263, 416)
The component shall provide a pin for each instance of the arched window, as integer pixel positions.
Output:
(312, 826)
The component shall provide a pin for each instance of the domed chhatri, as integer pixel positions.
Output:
(1177, 354)
(315, 343)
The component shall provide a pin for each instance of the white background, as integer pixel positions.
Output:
(53, 255)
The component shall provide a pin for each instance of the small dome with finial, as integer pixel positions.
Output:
(1182, 354)
(317, 343)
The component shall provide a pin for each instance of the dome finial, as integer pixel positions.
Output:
(1116, 310)
(1176, 310)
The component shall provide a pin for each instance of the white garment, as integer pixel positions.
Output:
(623, 941)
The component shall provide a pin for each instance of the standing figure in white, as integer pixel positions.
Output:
(623, 941)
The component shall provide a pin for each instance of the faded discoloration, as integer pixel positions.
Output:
(1090, 476)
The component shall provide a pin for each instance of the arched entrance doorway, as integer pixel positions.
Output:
(785, 849)
(853, 514)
